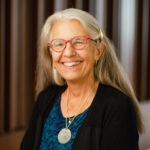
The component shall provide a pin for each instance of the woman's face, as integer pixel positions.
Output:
(74, 65)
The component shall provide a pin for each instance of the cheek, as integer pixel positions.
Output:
(91, 55)
(55, 57)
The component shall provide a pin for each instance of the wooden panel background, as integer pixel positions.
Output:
(20, 26)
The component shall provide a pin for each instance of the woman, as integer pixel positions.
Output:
(84, 99)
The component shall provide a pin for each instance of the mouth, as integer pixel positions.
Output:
(71, 64)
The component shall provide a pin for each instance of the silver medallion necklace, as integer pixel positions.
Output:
(64, 134)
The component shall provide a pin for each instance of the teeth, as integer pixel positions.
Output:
(69, 64)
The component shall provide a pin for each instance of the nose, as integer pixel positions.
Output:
(68, 51)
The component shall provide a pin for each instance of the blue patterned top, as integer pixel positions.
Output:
(53, 124)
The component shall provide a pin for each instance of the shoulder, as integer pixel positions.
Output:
(48, 95)
(112, 99)
(110, 91)
(50, 90)
(112, 94)
(110, 105)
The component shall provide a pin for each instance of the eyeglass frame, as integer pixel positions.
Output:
(70, 41)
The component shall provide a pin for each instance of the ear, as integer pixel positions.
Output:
(99, 50)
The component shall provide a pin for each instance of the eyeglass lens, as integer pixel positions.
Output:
(76, 43)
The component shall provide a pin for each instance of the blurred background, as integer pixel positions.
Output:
(126, 23)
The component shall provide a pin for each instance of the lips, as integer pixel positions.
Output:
(70, 64)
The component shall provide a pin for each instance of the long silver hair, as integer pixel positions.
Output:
(107, 70)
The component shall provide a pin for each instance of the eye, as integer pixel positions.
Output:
(78, 41)
(57, 43)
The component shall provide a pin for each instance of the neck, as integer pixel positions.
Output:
(79, 89)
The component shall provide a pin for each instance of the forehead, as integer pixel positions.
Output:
(67, 28)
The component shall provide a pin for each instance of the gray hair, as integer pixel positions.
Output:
(107, 70)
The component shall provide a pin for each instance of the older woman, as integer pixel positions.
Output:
(84, 99)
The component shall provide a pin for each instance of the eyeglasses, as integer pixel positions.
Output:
(77, 42)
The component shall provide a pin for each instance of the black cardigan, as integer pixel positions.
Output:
(109, 125)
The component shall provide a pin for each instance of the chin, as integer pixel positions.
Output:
(72, 78)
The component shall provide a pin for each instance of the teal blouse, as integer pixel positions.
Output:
(53, 124)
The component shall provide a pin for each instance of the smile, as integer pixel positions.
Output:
(70, 64)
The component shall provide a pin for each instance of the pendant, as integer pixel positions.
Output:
(70, 120)
(64, 136)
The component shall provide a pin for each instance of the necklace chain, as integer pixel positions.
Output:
(86, 100)
(64, 134)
